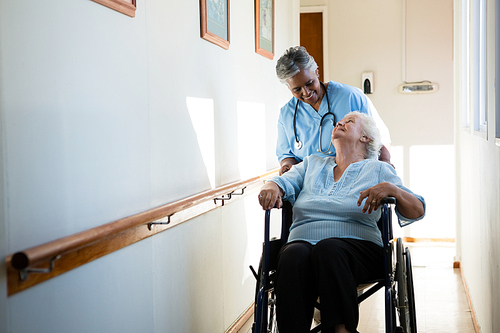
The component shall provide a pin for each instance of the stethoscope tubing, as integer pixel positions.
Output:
(298, 143)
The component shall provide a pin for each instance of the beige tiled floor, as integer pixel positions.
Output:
(441, 302)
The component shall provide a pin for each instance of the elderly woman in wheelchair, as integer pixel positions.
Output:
(334, 243)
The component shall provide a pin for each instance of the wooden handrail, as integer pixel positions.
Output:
(69, 250)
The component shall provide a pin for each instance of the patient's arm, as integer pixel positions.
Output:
(407, 204)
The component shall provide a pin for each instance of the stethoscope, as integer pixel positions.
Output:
(298, 143)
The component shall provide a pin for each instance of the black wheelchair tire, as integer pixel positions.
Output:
(411, 293)
(402, 302)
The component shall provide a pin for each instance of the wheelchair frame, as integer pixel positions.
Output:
(397, 281)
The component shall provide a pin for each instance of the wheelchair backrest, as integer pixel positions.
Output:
(287, 220)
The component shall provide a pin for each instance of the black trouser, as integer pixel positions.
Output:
(331, 269)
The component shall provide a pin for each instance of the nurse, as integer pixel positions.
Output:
(306, 122)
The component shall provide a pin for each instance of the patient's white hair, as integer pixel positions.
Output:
(370, 129)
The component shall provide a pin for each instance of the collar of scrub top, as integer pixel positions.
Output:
(298, 143)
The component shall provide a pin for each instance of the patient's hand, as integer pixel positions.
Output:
(270, 196)
(375, 194)
(407, 204)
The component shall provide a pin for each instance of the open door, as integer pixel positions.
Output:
(311, 37)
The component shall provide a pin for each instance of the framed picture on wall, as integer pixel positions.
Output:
(126, 7)
(215, 21)
(264, 28)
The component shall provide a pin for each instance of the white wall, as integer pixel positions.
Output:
(99, 121)
(368, 36)
(478, 176)
(3, 230)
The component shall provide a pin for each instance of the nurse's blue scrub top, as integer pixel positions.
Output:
(343, 99)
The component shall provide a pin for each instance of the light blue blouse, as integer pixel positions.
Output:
(323, 208)
(343, 99)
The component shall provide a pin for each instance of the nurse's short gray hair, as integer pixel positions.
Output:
(370, 129)
(293, 61)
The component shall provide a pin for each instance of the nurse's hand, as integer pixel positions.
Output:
(385, 156)
(270, 196)
(286, 164)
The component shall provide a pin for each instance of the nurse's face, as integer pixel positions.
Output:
(305, 86)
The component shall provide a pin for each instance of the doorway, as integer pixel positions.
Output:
(312, 36)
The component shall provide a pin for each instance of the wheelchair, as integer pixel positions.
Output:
(400, 312)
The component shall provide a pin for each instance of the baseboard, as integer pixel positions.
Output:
(477, 329)
(238, 324)
(428, 240)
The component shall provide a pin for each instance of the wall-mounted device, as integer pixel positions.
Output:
(423, 87)
(367, 82)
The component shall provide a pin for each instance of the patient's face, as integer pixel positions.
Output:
(350, 128)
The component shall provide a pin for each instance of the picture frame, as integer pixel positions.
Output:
(264, 28)
(214, 22)
(126, 7)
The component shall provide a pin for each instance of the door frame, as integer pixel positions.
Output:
(324, 12)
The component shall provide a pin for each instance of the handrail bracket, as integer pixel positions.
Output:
(159, 223)
(229, 196)
(25, 272)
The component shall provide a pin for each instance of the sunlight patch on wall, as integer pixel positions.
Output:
(201, 111)
(432, 175)
(397, 159)
(251, 139)
(429, 171)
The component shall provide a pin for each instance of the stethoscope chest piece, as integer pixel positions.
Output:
(298, 144)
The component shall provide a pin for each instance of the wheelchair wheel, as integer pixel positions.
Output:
(265, 304)
(411, 294)
(402, 300)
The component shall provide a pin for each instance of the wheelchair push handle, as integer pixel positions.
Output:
(389, 200)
